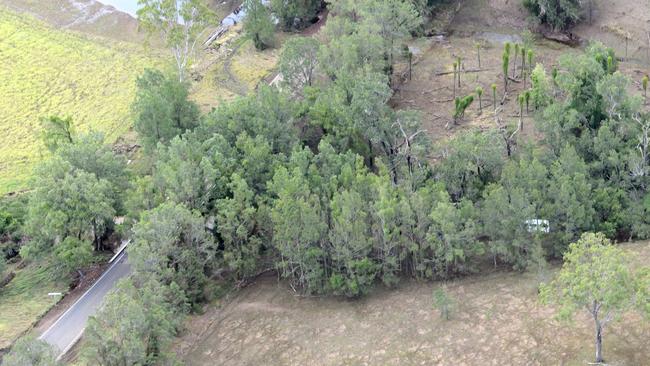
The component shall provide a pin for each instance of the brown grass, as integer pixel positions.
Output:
(498, 320)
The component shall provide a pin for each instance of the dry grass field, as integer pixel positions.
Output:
(497, 320)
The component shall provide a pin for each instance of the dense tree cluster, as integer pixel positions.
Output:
(77, 194)
(322, 181)
(558, 14)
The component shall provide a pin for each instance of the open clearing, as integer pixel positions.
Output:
(498, 321)
(491, 23)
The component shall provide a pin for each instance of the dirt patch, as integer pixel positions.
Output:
(431, 90)
(491, 23)
(497, 320)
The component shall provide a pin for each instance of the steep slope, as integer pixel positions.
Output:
(88, 16)
(48, 71)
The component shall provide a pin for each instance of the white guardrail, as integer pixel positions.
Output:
(119, 251)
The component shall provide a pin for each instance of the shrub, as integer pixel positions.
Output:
(558, 14)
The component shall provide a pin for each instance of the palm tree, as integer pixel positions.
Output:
(479, 92)
(522, 100)
(506, 63)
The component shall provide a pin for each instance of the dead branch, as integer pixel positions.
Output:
(464, 71)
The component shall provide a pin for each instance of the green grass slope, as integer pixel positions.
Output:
(46, 71)
(24, 300)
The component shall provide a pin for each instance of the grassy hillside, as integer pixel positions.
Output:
(25, 299)
(47, 71)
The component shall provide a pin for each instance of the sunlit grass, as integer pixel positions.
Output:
(46, 71)
(24, 300)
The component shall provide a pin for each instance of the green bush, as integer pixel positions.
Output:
(558, 14)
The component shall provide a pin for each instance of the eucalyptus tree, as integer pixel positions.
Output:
(558, 14)
(392, 20)
(595, 277)
(172, 246)
(180, 23)
(67, 203)
(258, 24)
(32, 352)
(57, 131)
(298, 63)
(162, 109)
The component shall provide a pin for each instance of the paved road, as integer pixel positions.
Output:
(67, 330)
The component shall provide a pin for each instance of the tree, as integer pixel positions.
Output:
(596, 277)
(408, 55)
(521, 99)
(171, 245)
(295, 14)
(186, 172)
(134, 326)
(57, 131)
(570, 207)
(353, 271)
(74, 254)
(443, 302)
(479, 93)
(453, 82)
(459, 62)
(67, 203)
(504, 67)
(504, 215)
(390, 219)
(91, 154)
(298, 62)
(540, 88)
(558, 14)
(236, 223)
(514, 62)
(470, 162)
(391, 20)
(180, 23)
(3, 265)
(162, 109)
(269, 114)
(30, 352)
(299, 230)
(644, 84)
(453, 237)
(258, 24)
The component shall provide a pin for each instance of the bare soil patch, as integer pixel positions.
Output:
(491, 23)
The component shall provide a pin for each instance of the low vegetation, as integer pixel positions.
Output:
(25, 299)
(53, 72)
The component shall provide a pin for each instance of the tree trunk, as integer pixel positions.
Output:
(599, 342)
